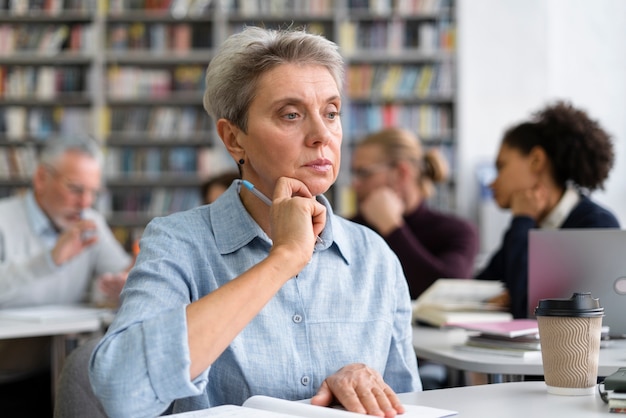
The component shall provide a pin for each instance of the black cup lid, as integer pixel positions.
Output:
(579, 305)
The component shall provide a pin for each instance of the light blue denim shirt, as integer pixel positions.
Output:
(350, 304)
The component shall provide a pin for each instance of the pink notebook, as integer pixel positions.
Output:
(512, 328)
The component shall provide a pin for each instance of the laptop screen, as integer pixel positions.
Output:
(564, 261)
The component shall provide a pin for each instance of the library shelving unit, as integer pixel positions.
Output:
(46, 71)
(160, 141)
(132, 74)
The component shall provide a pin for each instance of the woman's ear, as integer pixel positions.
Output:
(538, 159)
(228, 132)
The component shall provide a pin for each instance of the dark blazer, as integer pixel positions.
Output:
(510, 263)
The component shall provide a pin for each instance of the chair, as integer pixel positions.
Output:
(74, 397)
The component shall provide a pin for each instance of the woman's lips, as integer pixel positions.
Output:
(320, 164)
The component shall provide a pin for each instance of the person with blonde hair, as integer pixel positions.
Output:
(393, 178)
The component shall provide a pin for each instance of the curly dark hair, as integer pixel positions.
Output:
(579, 149)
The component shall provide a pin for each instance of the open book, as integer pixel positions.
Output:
(268, 407)
(459, 300)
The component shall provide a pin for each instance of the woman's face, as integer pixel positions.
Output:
(370, 170)
(514, 175)
(294, 129)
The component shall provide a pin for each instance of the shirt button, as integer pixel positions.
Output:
(297, 318)
(305, 380)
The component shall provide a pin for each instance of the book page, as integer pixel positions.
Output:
(232, 411)
(268, 407)
(306, 410)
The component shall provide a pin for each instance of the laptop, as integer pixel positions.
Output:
(565, 261)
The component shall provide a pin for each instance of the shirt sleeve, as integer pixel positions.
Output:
(142, 364)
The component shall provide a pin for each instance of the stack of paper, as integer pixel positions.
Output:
(459, 300)
(517, 337)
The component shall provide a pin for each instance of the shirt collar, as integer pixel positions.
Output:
(235, 228)
(560, 212)
(41, 224)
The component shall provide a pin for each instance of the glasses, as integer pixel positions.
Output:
(364, 173)
(77, 190)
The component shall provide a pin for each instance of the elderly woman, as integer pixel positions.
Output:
(242, 297)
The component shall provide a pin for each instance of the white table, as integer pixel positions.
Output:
(63, 330)
(436, 345)
(510, 400)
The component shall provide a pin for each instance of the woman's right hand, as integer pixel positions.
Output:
(296, 219)
(530, 202)
(383, 209)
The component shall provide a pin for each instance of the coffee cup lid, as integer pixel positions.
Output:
(579, 305)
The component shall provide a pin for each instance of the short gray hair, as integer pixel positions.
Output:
(54, 148)
(232, 75)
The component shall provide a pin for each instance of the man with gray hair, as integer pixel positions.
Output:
(54, 249)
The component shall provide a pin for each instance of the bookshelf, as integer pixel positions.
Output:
(134, 74)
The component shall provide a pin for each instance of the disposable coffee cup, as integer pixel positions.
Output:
(569, 333)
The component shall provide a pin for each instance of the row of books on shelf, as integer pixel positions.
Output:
(177, 8)
(282, 7)
(126, 82)
(160, 122)
(137, 204)
(428, 121)
(17, 162)
(381, 7)
(277, 7)
(151, 162)
(25, 7)
(45, 39)
(159, 37)
(400, 6)
(19, 122)
(397, 35)
(41, 82)
(395, 81)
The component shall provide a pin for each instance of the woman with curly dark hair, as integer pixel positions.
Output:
(547, 167)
